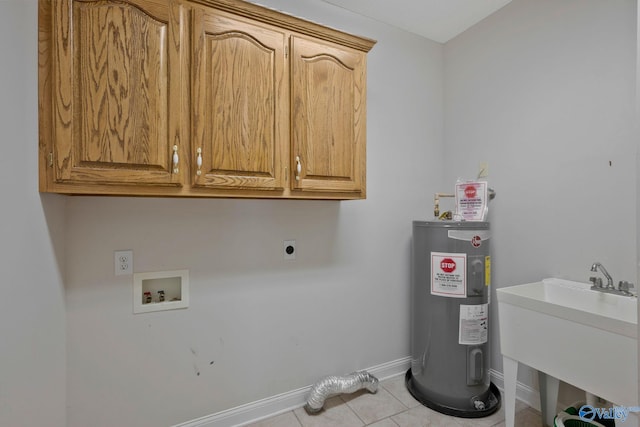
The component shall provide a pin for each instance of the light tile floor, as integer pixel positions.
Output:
(391, 406)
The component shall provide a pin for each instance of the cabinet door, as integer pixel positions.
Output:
(239, 103)
(117, 73)
(328, 117)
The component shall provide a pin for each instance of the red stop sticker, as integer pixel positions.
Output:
(448, 265)
(470, 191)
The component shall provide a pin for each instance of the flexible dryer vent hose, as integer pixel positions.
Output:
(333, 385)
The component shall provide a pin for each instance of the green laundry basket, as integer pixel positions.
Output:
(569, 418)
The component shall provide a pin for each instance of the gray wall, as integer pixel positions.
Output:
(267, 325)
(637, 137)
(544, 91)
(32, 314)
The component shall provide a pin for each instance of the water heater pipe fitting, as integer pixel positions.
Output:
(333, 385)
(436, 202)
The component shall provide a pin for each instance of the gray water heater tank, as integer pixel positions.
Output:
(451, 274)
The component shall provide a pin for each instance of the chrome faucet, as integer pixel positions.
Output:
(598, 283)
(623, 287)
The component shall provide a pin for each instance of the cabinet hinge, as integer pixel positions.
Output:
(50, 159)
(286, 52)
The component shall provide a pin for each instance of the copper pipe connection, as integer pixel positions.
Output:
(436, 202)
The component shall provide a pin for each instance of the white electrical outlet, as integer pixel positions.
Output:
(123, 262)
(289, 249)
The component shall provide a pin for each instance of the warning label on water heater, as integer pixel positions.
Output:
(449, 274)
(474, 328)
(471, 200)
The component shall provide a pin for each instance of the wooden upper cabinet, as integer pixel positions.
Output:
(328, 117)
(202, 98)
(117, 76)
(239, 106)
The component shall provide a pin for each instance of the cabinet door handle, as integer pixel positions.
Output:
(199, 161)
(176, 159)
(298, 168)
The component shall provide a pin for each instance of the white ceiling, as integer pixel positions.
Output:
(438, 20)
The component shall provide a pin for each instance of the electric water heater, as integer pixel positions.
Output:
(451, 276)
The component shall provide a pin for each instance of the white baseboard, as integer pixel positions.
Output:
(283, 402)
(524, 393)
(278, 404)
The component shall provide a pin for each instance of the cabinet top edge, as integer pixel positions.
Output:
(290, 22)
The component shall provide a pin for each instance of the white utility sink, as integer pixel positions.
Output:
(569, 332)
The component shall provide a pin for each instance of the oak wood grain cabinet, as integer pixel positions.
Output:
(112, 85)
(200, 98)
(328, 117)
(239, 103)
